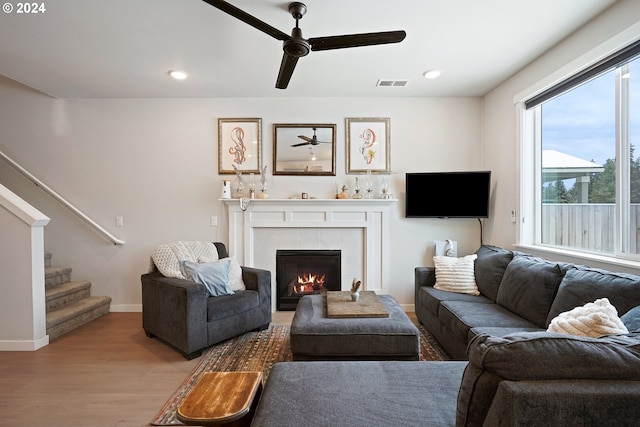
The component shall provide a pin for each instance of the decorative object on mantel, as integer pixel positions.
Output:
(368, 185)
(252, 186)
(244, 203)
(355, 295)
(263, 180)
(344, 194)
(239, 145)
(238, 187)
(368, 144)
(356, 189)
(226, 189)
(384, 188)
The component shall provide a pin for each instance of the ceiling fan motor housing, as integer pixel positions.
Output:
(296, 46)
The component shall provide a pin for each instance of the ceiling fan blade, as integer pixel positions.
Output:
(249, 19)
(306, 138)
(355, 40)
(287, 66)
(301, 144)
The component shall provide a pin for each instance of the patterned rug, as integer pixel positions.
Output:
(258, 351)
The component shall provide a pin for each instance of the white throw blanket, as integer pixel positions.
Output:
(594, 319)
(167, 257)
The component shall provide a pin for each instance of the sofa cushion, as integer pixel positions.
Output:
(455, 274)
(528, 287)
(431, 298)
(631, 319)
(230, 305)
(541, 356)
(593, 319)
(460, 316)
(213, 275)
(490, 266)
(583, 284)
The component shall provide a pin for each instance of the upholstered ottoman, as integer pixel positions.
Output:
(314, 336)
(360, 394)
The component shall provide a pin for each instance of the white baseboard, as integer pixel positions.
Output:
(24, 345)
(408, 308)
(125, 308)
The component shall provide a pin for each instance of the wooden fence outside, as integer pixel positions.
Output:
(586, 226)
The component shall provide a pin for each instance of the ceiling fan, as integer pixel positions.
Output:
(310, 141)
(295, 46)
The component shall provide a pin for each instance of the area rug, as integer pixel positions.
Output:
(258, 351)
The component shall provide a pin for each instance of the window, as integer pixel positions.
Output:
(585, 138)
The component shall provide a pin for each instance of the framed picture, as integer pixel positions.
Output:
(368, 144)
(304, 149)
(239, 145)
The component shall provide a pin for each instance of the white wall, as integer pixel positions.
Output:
(499, 134)
(154, 162)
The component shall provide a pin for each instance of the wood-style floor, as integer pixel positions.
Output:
(106, 373)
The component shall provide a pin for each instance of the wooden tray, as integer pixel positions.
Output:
(340, 305)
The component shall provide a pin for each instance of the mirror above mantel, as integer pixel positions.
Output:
(304, 149)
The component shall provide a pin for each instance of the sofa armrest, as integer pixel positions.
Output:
(175, 310)
(424, 276)
(565, 402)
(259, 280)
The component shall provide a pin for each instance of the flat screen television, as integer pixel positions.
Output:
(448, 194)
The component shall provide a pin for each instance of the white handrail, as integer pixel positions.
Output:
(62, 200)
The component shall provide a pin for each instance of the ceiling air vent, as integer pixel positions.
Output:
(392, 83)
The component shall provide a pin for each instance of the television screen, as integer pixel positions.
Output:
(448, 194)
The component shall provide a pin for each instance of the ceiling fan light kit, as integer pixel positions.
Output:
(296, 46)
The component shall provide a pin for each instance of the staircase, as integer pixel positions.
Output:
(69, 303)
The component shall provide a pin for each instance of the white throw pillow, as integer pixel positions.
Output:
(593, 319)
(235, 276)
(213, 275)
(456, 274)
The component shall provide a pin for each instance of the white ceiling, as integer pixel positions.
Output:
(125, 48)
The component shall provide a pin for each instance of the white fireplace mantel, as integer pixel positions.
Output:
(369, 215)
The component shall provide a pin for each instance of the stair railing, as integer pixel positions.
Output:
(62, 200)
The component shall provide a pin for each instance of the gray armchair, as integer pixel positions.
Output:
(181, 312)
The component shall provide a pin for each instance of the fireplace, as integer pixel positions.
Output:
(302, 272)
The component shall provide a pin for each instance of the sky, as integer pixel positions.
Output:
(582, 122)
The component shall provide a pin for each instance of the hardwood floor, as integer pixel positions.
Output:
(106, 373)
(103, 374)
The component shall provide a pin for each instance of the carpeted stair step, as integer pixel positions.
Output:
(56, 275)
(76, 314)
(62, 294)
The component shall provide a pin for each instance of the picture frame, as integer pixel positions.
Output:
(239, 145)
(304, 149)
(368, 144)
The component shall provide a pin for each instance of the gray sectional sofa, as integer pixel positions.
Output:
(518, 293)
(527, 379)
(510, 372)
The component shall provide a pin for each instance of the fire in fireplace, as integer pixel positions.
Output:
(301, 272)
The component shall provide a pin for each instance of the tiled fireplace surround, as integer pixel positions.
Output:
(359, 228)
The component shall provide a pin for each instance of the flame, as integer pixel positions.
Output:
(308, 283)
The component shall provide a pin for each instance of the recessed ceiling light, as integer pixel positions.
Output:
(432, 74)
(178, 75)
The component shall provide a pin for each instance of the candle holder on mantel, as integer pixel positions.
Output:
(263, 182)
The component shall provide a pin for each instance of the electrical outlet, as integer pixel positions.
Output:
(119, 221)
(214, 221)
